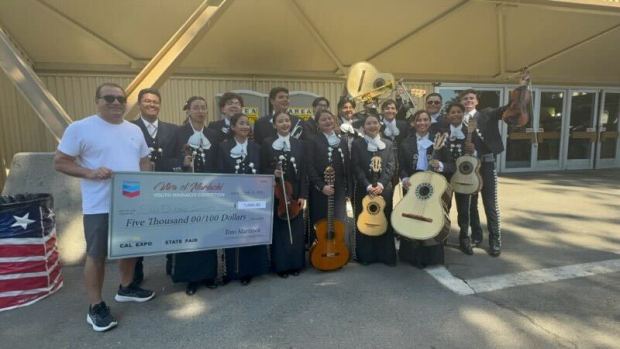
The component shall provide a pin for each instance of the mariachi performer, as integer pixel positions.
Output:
(198, 148)
(349, 124)
(161, 138)
(284, 157)
(310, 126)
(241, 155)
(230, 104)
(346, 111)
(372, 249)
(434, 102)
(488, 145)
(327, 149)
(458, 147)
(278, 103)
(311, 130)
(415, 154)
(391, 128)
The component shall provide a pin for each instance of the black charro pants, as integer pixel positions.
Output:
(462, 208)
(490, 203)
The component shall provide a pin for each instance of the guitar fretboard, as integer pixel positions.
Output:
(330, 217)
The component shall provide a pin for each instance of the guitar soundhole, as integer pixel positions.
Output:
(424, 191)
(373, 208)
(466, 168)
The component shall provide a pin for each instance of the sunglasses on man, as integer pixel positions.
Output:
(110, 99)
(433, 102)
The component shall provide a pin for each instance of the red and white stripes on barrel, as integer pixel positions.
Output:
(30, 267)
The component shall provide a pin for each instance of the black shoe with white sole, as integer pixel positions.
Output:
(99, 317)
(133, 293)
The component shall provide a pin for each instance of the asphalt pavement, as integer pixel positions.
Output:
(549, 221)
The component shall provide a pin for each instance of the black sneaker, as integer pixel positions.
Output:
(99, 317)
(133, 293)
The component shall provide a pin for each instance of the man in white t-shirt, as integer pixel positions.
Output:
(93, 149)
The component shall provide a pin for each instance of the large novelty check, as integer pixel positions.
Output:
(156, 213)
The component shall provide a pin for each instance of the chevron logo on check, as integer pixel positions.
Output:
(131, 189)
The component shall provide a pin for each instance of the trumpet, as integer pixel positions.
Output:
(403, 94)
(297, 130)
(407, 104)
(406, 98)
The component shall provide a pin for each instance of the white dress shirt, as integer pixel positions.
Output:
(151, 127)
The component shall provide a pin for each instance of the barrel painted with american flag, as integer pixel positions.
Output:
(30, 267)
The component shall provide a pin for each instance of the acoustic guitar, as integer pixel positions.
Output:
(422, 213)
(329, 252)
(372, 220)
(467, 179)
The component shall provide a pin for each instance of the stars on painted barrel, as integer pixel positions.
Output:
(22, 221)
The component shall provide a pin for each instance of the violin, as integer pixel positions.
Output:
(288, 208)
(518, 112)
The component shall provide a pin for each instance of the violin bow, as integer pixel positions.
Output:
(288, 216)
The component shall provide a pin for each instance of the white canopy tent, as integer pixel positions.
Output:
(564, 42)
(210, 46)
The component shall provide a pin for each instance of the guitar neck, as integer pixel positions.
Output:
(374, 179)
(428, 166)
(470, 131)
(396, 167)
(434, 152)
(330, 217)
